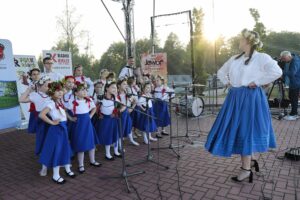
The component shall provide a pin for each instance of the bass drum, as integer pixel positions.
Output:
(194, 106)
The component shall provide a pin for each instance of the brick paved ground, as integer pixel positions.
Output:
(201, 176)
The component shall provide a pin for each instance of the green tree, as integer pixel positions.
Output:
(259, 26)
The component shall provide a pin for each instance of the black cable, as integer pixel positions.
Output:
(158, 172)
(135, 190)
(177, 162)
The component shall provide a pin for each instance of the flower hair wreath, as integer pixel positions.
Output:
(43, 80)
(54, 86)
(79, 86)
(253, 37)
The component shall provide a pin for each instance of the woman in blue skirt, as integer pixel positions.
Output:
(243, 125)
(162, 94)
(56, 150)
(39, 98)
(126, 100)
(146, 122)
(107, 124)
(83, 136)
(34, 76)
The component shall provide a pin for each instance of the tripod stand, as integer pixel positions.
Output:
(149, 156)
(282, 102)
(124, 173)
(171, 146)
(187, 136)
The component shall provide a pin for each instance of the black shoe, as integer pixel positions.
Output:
(119, 156)
(59, 182)
(158, 135)
(70, 175)
(81, 169)
(255, 165)
(164, 133)
(235, 178)
(95, 164)
(110, 159)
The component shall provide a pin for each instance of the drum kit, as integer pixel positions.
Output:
(190, 106)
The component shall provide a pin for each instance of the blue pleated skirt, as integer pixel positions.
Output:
(56, 150)
(32, 124)
(243, 125)
(107, 129)
(135, 115)
(161, 112)
(144, 124)
(41, 132)
(83, 136)
(126, 123)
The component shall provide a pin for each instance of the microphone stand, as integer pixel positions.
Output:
(124, 173)
(149, 156)
(171, 146)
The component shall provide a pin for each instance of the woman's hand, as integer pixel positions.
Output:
(55, 122)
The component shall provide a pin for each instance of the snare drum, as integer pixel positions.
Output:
(194, 106)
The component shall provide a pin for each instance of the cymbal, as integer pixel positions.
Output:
(193, 85)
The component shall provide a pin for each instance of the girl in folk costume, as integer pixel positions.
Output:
(56, 150)
(107, 125)
(68, 96)
(125, 112)
(243, 125)
(40, 99)
(161, 111)
(34, 76)
(134, 90)
(103, 74)
(78, 74)
(83, 136)
(97, 97)
(146, 123)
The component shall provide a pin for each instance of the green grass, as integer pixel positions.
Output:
(8, 102)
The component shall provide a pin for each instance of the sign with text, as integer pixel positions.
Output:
(155, 64)
(24, 63)
(9, 104)
(62, 61)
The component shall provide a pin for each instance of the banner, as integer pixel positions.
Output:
(9, 104)
(62, 61)
(24, 63)
(155, 64)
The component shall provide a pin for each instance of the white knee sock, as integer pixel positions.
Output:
(80, 156)
(43, 171)
(92, 155)
(56, 173)
(116, 149)
(145, 138)
(132, 140)
(107, 151)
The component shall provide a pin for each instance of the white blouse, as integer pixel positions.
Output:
(39, 99)
(163, 96)
(54, 76)
(83, 106)
(143, 101)
(107, 106)
(56, 114)
(67, 98)
(261, 70)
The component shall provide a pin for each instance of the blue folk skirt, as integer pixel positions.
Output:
(161, 112)
(56, 150)
(243, 125)
(135, 115)
(126, 123)
(83, 136)
(33, 121)
(107, 129)
(147, 125)
(41, 132)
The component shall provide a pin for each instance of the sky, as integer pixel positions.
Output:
(31, 25)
